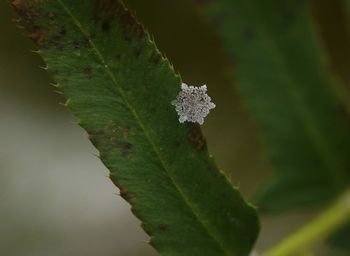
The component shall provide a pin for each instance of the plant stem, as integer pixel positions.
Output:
(331, 219)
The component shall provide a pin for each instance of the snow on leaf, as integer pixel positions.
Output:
(193, 104)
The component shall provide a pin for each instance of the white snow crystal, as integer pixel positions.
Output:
(193, 103)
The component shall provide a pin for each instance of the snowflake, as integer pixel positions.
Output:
(193, 104)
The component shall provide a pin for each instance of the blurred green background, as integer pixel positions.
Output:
(55, 194)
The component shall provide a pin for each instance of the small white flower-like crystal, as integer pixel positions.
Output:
(193, 103)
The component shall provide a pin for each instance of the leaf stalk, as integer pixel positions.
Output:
(320, 228)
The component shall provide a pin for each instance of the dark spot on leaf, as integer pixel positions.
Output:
(195, 136)
(27, 10)
(177, 143)
(139, 49)
(155, 57)
(88, 72)
(106, 26)
(127, 195)
(107, 10)
(123, 192)
(29, 17)
(112, 138)
(82, 42)
(30, 11)
(126, 149)
(139, 31)
(114, 178)
(127, 22)
(222, 195)
(63, 32)
(94, 138)
(39, 37)
(105, 139)
(163, 227)
(102, 156)
(56, 39)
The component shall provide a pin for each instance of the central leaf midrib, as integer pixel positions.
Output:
(187, 201)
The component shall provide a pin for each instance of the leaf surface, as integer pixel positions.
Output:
(120, 88)
(281, 74)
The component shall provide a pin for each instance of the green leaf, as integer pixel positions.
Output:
(332, 20)
(281, 74)
(120, 87)
(340, 240)
(333, 23)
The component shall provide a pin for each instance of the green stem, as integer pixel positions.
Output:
(331, 219)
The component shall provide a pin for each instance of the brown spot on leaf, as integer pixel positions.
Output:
(44, 32)
(39, 36)
(29, 13)
(17, 3)
(107, 10)
(105, 139)
(112, 137)
(195, 136)
(128, 196)
(131, 28)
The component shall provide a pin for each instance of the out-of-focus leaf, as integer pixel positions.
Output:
(281, 75)
(333, 24)
(121, 88)
(332, 20)
(341, 239)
